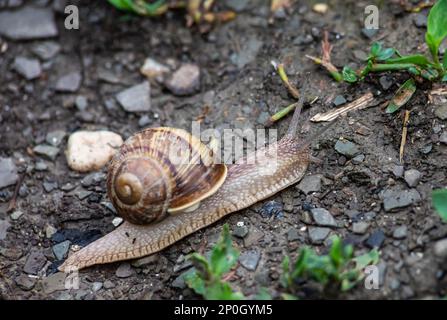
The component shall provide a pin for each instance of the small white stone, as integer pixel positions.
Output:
(91, 150)
(117, 221)
(320, 8)
(50, 231)
(240, 223)
(16, 214)
(153, 69)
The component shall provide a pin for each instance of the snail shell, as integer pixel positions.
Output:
(161, 171)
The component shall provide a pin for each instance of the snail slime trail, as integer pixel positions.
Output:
(185, 310)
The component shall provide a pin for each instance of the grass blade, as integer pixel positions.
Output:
(403, 94)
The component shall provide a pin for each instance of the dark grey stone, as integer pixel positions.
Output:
(136, 98)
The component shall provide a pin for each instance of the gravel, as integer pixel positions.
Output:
(386, 82)
(46, 50)
(25, 282)
(412, 177)
(310, 184)
(69, 82)
(124, 270)
(46, 151)
(395, 199)
(28, 23)
(400, 232)
(250, 259)
(376, 239)
(443, 137)
(440, 248)
(4, 226)
(136, 98)
(293, 235)
(240, 231)
(56, 137)
(184, 81)
(60, 250)
(317, 235)
(360, 227)
(339, 100)
(27, 68)
(54, 282)
(8, 172)
(35, 262)
(323, 218)
(346, 148)
(441, 112)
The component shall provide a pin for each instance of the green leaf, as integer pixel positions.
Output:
(436, 27)
(444, 79)
(195, 282)
(263, 294)
(444, 62)
(349, 75)
(376, 48)
(402, 96)
(366, 259)
(417, 59)
(385, 54)
(429, 74)
(287, 296)
(200, 262)
(120, 4)
(223, 256)
(222, 291)
(439, 198)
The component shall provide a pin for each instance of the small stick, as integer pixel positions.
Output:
(359, 103)
(404, 135)
(13, 202)
(282, 74)
(280, 114)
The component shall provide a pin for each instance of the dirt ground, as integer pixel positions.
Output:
(238, 89)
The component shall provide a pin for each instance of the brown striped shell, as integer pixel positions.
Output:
(159, 171)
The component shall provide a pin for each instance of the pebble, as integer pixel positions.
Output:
(46, 50)
(400, 232)
(253, 237)
(91, 150)
(412, 177)
(16, 215)
(68, 187)
(420, 20)
(49, 186)
(41, 166)
(250, 259)
(117, 221)
(386, 82)
(317, 235)
(394, 199)
(322, 217)
(81, 103)
(55, 138)
(81, 194)
(28, 23)
(240, 231)
(184, 81)
(272, 209)
(4, 226)
(310, 183)
(27, 68)
(69, 82)
(46, 151)
(398, 171)
(426, 149)
(35, 262)
(108, 284)
(346, 148)
(54, 282)
(376, 239)
(93, 179)
(144, 121)
(50, 231)
(441, 112)
(320, 8)
(358, 159)
(443, 137)
(124, 270)
(96, 286)
(60, 250)
(179, 282)
(369, 33)
(153, 69)
(136, 98)
(440, 248)
(8, 172)
(25, 282)
(263, 117)
(360, 227)
(293, 235)
(339, 100)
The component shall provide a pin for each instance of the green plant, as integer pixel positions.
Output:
(206, 278)
(439, 198)
(382, 59)
(338, 267)
(141, 7)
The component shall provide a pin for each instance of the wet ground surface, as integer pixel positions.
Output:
(69, 81)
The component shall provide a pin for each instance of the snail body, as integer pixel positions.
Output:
(274, 168)
(161, 171)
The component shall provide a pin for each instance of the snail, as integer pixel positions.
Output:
(196, 199)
